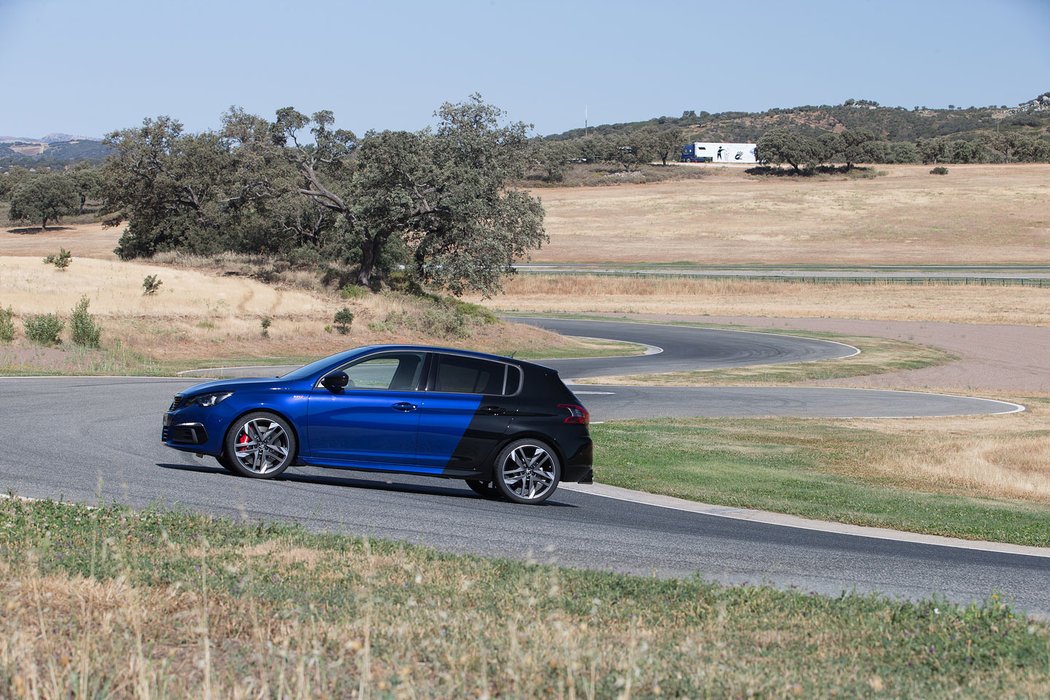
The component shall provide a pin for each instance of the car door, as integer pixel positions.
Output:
(466, 412)
(373, 423)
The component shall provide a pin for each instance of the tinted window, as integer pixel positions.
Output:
(513, 380)
(396, 372)
(468, 375)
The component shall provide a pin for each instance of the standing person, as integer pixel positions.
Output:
(718, 156)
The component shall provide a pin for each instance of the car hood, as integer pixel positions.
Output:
(235, 384)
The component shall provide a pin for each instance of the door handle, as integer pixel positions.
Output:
(493, 410)
(404, 406)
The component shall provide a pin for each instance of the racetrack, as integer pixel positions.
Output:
(85, 438)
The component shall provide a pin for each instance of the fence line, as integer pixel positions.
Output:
(818, 279)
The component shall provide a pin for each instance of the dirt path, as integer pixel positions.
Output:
(992, 358)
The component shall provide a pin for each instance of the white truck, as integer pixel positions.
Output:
(710, 152)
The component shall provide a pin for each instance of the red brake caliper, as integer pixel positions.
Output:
(242, 439)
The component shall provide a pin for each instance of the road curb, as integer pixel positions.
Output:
(794, 521)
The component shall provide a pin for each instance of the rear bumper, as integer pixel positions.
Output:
(578, 467)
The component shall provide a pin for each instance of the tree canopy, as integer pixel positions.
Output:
(44, 198)
(437, 203)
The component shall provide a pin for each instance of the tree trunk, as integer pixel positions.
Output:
(43, 224)
(369, 257)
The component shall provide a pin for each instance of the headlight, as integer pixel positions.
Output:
(208, 400)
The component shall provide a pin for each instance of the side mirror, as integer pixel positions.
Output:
(336, 381)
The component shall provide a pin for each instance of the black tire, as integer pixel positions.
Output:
(527, 471)
(485, 489)
(226, 463)
(259, 445)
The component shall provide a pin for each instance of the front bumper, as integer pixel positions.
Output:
(183, 433)
(194, 429)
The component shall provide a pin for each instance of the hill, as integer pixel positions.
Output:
(888, 123)
(37, 153)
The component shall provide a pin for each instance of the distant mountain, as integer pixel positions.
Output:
(50, 138)
(888, 123)
(54, 153)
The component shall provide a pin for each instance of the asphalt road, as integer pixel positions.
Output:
(85, 438)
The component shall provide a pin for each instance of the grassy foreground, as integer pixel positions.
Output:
(112, 602)
(987, 483)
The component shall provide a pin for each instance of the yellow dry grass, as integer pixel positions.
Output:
(83, 240)
(975, 214)
(529, 293)
(1004, 456)
(198, 315)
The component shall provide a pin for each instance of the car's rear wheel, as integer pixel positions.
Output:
(527, 471)
(260, 445)
(485, 489)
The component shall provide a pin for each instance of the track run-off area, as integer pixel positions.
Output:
(96, 438)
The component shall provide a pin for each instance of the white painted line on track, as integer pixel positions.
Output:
(799, 523)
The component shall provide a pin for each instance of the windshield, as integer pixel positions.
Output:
(307, 371)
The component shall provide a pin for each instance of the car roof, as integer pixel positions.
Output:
(369, 349)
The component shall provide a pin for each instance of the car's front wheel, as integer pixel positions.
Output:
(259, 445)
(527, 471)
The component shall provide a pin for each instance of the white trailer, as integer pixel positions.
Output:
(711, 152)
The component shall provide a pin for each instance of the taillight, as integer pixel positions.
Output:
(578, 415)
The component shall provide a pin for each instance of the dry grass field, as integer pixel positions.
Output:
(977, 214)
(201, 316)
(83, 240)
(536, 293)
(1004, 456)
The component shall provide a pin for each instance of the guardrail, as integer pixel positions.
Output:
(967, 281)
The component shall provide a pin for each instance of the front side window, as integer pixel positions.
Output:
(469, 375)
(392, 372)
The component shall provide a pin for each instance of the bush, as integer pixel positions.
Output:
(61, 259)
(150, 285)
(353, 291)
(343, 318)
(265, 322)
(939, 170)
(43, 329)
(82, 326)
(7, 325)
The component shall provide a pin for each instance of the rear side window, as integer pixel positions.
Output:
(470, 375)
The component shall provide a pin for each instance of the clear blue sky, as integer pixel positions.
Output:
(90, 66)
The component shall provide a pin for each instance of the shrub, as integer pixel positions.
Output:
(939, 170)
(150, 285)
(343, 318)
(265, 322)
(353, 291)
(61, 259)
(82, 326)
(7, 325)
(43, 329)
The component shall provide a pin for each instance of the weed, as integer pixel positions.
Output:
(7, 325)
(150, 285)
(83, 328)
(343, 318)
(353, 291)
(60, 260)
(43, 329)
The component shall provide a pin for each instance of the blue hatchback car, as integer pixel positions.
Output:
(510, 429)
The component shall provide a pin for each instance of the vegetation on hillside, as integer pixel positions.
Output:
(822, 135)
